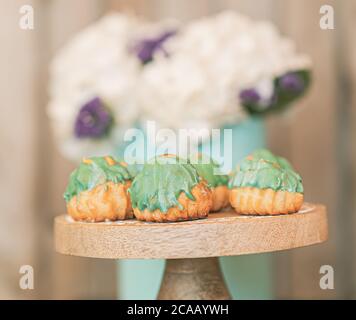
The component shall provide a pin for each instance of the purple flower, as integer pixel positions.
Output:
(292, 82)
(93, 120)
(146, 48)
(249, 96)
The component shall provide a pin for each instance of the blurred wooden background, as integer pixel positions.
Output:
(317, 136)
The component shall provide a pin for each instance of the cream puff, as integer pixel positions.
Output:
(264, 184)
(97, 191)
(169, 190)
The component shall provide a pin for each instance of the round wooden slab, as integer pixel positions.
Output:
(221, 234)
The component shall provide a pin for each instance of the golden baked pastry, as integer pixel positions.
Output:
(250, 200)
(168, 191)
(210, 171)
(97, 191)
(265, 184)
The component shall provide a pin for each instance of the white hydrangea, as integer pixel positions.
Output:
(97, 62)
(211, 60)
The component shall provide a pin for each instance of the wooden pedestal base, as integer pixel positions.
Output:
(193, 279)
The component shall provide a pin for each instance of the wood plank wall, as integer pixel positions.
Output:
(346, 155)
(307, 137)
(33, 174)
(317, 135)
(71, 277)
(17, 139)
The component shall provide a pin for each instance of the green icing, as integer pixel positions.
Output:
(133, 168)
(264, 170)
(89, 175)
(209, 170)
(160, 183)
(269, 156)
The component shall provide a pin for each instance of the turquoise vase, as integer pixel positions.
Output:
(247, 277)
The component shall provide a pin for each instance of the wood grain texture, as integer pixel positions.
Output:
(87, 278)
(221, 234)
(306, 135)
(348, 10)
(18, 137)
(345, 17)
(193, 279)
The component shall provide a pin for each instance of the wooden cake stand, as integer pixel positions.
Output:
(192, 271)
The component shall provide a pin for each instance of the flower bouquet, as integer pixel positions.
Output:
(214, 71)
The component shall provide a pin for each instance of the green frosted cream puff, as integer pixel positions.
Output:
(167, 190)
(132, 168)
(265, 184)
(209, 170)
(97, 191)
